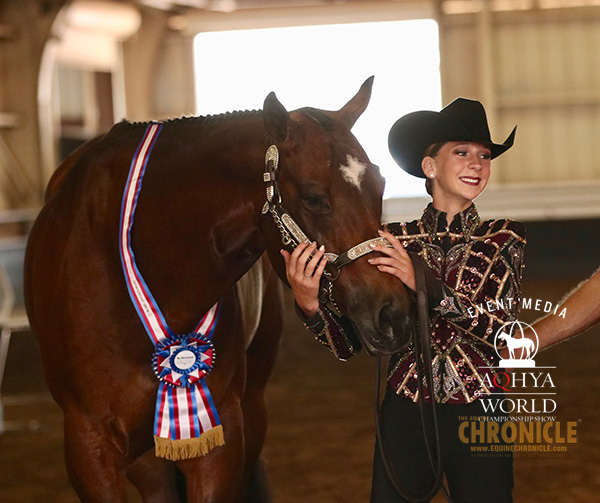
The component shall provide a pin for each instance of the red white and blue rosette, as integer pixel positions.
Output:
(183, 360)
(186, 422)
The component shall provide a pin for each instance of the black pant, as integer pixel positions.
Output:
(473, 477)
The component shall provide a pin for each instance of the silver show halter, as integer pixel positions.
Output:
(292, 234)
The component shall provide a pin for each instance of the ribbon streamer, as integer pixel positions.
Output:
(186, 422)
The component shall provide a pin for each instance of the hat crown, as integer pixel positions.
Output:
(469, 114)
(462, 120)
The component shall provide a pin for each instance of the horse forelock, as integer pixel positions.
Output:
(326, 122)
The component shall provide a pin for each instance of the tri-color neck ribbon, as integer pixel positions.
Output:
(186, 422)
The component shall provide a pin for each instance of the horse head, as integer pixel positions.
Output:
(333, 191)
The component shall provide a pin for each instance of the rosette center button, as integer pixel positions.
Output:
(185, 359)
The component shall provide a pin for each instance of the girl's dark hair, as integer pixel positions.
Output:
(432, 151)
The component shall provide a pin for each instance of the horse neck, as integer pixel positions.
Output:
(203, 200)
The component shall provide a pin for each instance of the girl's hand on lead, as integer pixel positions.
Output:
(396, 262)
(304, 275)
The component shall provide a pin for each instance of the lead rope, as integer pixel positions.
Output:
(423, 363)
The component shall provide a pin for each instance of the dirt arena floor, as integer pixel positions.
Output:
(321, 432)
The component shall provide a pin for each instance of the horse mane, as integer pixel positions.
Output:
(201, 119)
(326, 122)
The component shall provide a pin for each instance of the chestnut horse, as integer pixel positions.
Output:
(198, 228)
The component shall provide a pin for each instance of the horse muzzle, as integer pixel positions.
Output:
(388, 329)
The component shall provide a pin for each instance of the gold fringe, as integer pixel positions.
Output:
(187, 448)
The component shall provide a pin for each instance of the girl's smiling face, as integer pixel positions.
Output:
(460, 170)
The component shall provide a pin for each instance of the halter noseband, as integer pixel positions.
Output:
(292, 234)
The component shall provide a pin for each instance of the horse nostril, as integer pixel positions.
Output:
(394, 327)
(386, 323)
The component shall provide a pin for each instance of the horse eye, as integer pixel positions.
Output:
(314, 202)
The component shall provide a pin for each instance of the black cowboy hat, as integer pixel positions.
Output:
(461, 120)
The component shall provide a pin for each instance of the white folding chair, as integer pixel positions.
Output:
(12, 309)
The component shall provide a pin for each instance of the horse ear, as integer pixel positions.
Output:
(352, 110)
(276, 117)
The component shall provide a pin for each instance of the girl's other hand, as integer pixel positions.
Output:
(396, 261)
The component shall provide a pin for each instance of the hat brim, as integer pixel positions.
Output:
(411, 135)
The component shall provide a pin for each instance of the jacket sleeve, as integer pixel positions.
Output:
(335, 332)
(488, 288)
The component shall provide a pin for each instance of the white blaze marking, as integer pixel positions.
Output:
(354, 171)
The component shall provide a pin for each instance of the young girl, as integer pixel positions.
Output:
(474, 270)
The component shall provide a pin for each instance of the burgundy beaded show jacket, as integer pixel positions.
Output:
(474, 290)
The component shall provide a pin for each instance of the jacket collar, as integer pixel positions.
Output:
(465, 222)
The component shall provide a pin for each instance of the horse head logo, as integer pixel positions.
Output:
(513, 334)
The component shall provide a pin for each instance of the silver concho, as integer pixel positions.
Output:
(272, 155)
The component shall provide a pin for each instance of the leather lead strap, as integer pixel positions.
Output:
(424, 370)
